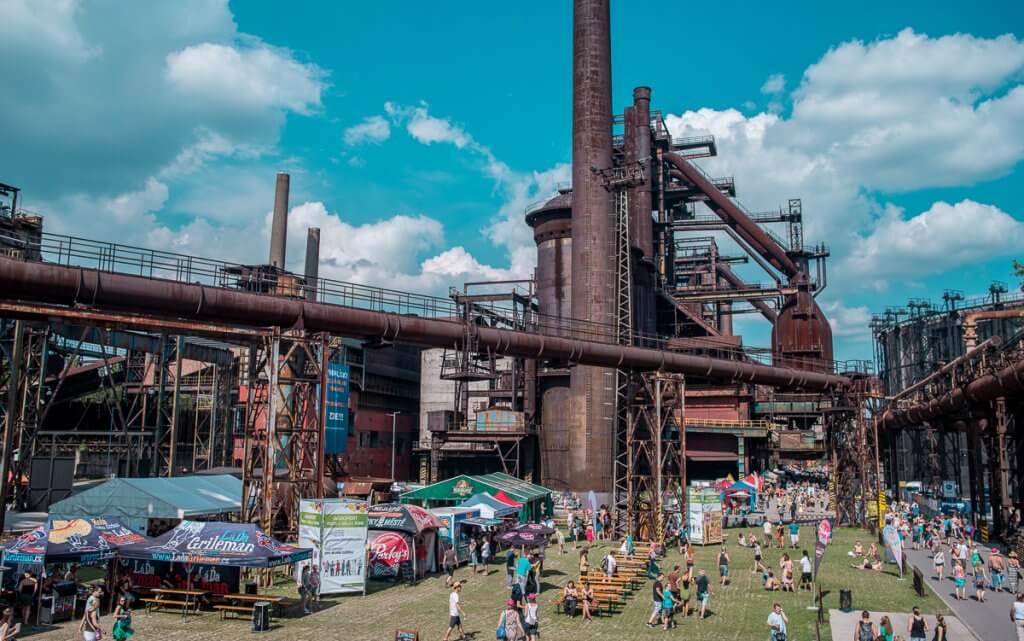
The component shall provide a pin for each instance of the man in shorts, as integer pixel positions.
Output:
(657, 596)
(767, 532)
(794, 535)
(449, 565)
(455, 612)
(805, 572)
(703, 593)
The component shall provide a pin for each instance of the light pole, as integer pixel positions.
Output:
(393, 416)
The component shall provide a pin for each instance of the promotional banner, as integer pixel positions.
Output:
(893, 543)
(217, 543)
(336, 421)
(823, 539)
(336, 530)
(388, 550)
(71, 541)
(161, 574)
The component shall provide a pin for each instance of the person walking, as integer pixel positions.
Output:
(560, 537)
(794, 535)
(1012, 572)
(657, 596)
(723, 567)
(531, 618)
(960, 581)
(917, 627)
(584, 562)
(939, 561)
(448, 562)
(455, 612)
(510, 623)
(122, 621)
(473, 548)
(777, 621)
(758, 567)
(703, 593)
(885, 629)
(304, 589)
(980, 578)
(940, 628)
(523, 567)
(865, 630)
(668, 609)
(806, 579)
(609, 563)
(997, 569)
(767, 532)
(1017, 615)
(510, 567)
(90, 625)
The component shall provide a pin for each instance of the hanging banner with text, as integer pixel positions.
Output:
(336, 420)
(336, 530)
(823, 539)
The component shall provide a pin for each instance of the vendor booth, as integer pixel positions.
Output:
(154, 505)
(534, 501)
(82, 541)
(458, 526)
(402, 540)
(218, 543)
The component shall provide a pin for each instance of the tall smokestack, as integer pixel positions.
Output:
(312, 261)
(592, 389)
(640, 198)
(279, 226)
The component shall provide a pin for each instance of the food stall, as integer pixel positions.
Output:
(402, 540)
(452, 533)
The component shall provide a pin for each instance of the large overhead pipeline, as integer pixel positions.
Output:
(1007, 381)
(733, 216)
(76, 286)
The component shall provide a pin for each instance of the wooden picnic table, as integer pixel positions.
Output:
(187, 600)
(237, 603)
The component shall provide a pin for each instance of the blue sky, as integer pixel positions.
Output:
(416, 133)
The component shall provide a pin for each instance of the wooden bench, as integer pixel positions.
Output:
(158, 604)
(234, 609)
(601, 602)
(625, 584)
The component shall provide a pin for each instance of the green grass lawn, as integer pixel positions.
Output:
(738, 611)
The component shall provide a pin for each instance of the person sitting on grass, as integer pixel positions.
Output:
(858, 550)
(772, 582)
(742, 540)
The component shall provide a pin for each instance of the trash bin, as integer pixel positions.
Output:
(250, 587)
(261, 616)
(845, 600)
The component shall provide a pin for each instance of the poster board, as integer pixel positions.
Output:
(704, 516)
(336, 531)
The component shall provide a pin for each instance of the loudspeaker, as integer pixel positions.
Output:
(845, 600)
(261, 616)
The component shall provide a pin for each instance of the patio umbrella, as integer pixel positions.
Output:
(534, 528)
(522, 537)
(72, 541)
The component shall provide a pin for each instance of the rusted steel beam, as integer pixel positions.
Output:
(1008, 381)
(198, 306)
(730, 276)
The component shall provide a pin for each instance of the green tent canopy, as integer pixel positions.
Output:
(536, 499)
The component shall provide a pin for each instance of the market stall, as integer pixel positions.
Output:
(402, 540)
(491, 507)
(456, 529)
(217, 543)
(534, 501)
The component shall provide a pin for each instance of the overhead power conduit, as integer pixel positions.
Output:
(76, 286)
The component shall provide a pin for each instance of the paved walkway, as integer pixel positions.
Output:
(844, 623)
(989, 621)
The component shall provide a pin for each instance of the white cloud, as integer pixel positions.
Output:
(426, 128)
(774, 84)
(255, 76)
(939, 239)
(850, 323)
(373, 129)
(874, 118)
(46, 28)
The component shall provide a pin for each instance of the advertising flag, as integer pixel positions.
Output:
(894, 544)
(823, 539)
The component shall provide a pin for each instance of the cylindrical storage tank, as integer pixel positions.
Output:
(554, 434)
(552, 231)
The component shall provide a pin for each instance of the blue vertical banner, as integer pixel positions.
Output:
(336, 424)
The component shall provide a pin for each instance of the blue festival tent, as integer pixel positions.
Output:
(86, 541)
(218, 543)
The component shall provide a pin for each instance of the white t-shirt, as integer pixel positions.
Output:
(453, 604)
(531, 613)
(611, 563)
(776, 619)
(757, 549)
(767, 527)
(805, 566)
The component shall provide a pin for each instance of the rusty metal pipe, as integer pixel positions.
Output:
(992, 343)
(1005, 382)
(970, 322)
(730, 276)
(727, 210)
(76, 286)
